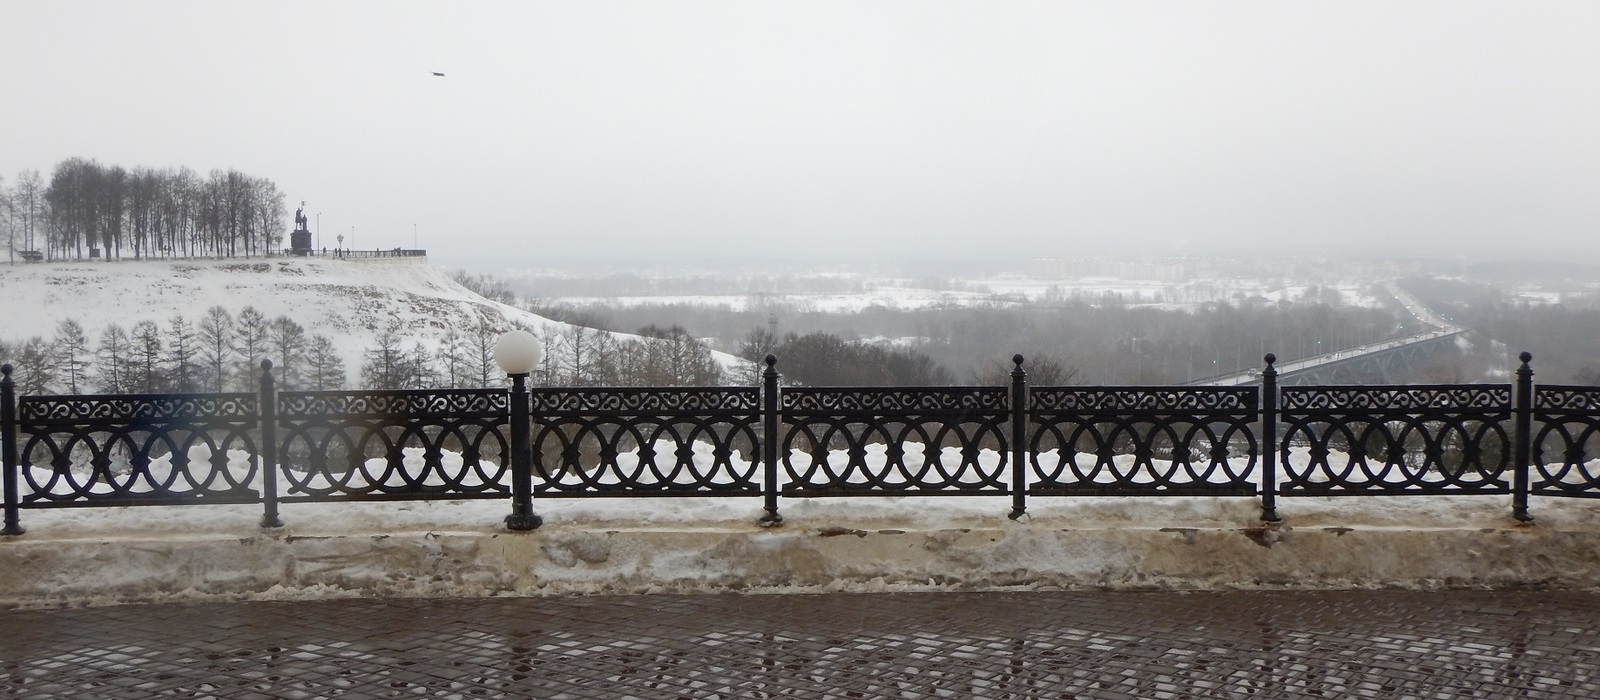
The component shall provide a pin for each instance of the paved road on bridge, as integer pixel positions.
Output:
(1145, 645)
(1437, 327)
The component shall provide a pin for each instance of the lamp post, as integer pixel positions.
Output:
(518, 353)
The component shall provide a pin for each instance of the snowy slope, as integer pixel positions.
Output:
(349, 301)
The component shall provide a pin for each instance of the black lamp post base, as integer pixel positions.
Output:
(523, 522)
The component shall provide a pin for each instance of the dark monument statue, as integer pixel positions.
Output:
(300, 237)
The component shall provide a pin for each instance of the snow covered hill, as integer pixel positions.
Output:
(349, 301)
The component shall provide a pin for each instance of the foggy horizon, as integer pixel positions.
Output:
(895, 132)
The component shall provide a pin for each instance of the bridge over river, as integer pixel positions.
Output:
(1351, 365)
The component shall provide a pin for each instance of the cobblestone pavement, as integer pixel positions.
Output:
(1364, 644)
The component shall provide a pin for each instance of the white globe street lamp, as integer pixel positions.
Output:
(518, 353)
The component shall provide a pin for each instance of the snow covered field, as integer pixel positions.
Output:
(349, 301)
(901, 293)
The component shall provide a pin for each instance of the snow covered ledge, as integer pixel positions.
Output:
(707, 545)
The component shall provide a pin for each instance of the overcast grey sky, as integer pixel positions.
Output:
(884, 129)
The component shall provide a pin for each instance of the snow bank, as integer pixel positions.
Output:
(349, 301)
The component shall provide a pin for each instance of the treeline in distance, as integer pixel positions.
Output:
(86, 208)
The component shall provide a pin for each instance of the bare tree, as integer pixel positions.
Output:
(485, 371)
(1044, 369)
(287, 341)
(485, 286)
(419, 364)
(545, 374)
(143, 196)
(33, 367)
(8, 227)
(114, 361)
(72, 356)
(215, 338)
(71, 206)
(583, 352)
(147, 352)
(386, 364)
(676, 358)
(268, 212)
(454, 360)
(249, 345)
(324, 367)
(28, 202)
(182, 370)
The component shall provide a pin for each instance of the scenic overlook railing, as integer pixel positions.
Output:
(773, 442)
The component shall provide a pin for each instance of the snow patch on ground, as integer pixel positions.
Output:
(349, 301)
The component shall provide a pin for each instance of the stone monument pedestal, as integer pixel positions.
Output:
(300, 242)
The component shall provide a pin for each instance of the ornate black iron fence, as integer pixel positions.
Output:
(85, 451)
(616, 442)
(1143, 441)
(772, 442)
(392, 445)
(923, 441)
(1396, 440)
(1566, 442)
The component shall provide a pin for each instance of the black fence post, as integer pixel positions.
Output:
(1269, 441)
(1019, 439)
(1524, 437)
(522, 516)
(8, 451)
(269, 447)
(769, 443)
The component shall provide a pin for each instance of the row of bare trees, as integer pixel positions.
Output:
(222, 352)
(573, 356)
(140, 213)
(585, 353)
(216, 353)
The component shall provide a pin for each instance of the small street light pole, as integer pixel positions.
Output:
(518, 354)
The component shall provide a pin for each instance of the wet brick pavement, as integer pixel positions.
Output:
(1347, 644)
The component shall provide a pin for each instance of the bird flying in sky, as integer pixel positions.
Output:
(437, 73)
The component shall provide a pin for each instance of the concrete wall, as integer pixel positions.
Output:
(575, 558)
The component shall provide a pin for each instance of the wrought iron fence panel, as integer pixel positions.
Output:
(1143, 441)
(693, 441)
(393, 445)
(137, 449)
(911, 441)
(1566, 441)
(1431, 439)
